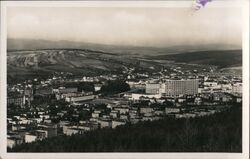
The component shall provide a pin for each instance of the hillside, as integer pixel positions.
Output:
(40, 63)
(87, 62)
(39, 44)
(222, 59)
(221, 132)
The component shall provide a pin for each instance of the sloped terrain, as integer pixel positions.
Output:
(222, 59)
(64, 60)
(44, 62)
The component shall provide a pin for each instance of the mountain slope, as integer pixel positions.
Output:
(82, 62)
(226, 58)
(37, 44)
(36, 63)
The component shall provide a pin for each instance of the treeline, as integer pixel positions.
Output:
(113, 87)
(221, 132)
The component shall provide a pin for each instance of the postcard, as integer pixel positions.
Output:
(125, 79)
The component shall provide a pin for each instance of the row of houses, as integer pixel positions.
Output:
(26, 133)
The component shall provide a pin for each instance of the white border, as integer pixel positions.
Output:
(245, 41)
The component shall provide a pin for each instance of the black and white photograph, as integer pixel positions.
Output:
(125, 78)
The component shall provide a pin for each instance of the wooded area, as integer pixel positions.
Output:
(221, 132)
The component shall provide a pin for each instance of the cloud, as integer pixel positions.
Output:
(127, 26)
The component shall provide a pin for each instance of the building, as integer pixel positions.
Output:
(211, 84)
(140, 96)
(186, 115)
(159, 112)
(16, 100)
(29, 95)
(46, 91)
(145, 110)
(121, 110)
(152, 88)
(172, 110)
(50, 130)
(69, 129)
(124, 117)
(67, 90)
(237, 88)
(80, 98)
(179, 87)
(34, 136)
(135, 84)
(88, 126)
(114, 114)
(13, 141)
(173, 87)
(72, 130)
(97, 87)
(96, 114)
(105, 123)
(116, 123)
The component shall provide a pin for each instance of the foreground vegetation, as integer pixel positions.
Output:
(221, 132)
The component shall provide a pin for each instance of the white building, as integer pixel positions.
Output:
(95, 114)
(237, 88)
(179, 87)
(97, 87)
(173, 87)
(13, 141)
(30, 138)
(116, 123)
(114, 114)
(152, 88)
(211, 84)
(121, 110)
(145, 110)
(137, 96)
(172, 110)
(70, 131)
(80, 98)
(105, 123)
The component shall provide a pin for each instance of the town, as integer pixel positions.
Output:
(65, 105)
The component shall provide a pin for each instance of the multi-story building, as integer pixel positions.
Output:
(179, 87)
(152, 88)
(16, 100)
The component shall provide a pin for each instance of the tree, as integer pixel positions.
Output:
(113, 87)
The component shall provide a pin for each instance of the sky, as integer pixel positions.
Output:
(156, 27)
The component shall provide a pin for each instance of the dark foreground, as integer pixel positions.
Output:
(221, 132)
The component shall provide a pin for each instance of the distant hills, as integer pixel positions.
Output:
(33, 58)
(36, 44)
(222, 58)
(44, 62)
(37, 63)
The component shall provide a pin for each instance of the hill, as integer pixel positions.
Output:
(87, 62)
(220, 58)
(38, 44)
(221, 132)
(43, 62)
